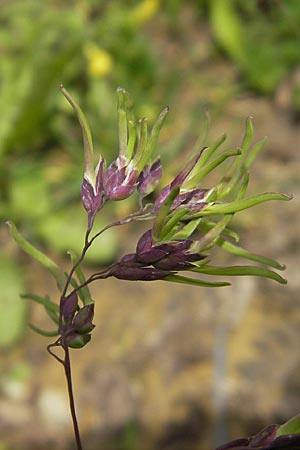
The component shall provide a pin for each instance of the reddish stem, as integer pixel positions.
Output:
(67, 367)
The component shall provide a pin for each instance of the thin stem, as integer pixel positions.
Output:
(89, 241)
(60, 342)
(67, 367)
(85, 249)
(96, 276)
(49, 349)
(140, 214)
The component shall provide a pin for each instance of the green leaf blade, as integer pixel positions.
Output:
(163, 212)
(195, 282)
(84, 292)
(239, 251)
(240, 205)
(292, 426)
(43, 332)
(39, 256)
(51, 308)
(241, 271)
(195, 180)
(87, 136)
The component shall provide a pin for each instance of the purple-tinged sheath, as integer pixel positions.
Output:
(177, 181)
(149, 178)
(120, 180)
(165, 259)
(68, 308)
(139, 273)
(92, 195)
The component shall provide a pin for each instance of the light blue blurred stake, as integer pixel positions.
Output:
(219, 382)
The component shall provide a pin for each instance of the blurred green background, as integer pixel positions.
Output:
(230, 57)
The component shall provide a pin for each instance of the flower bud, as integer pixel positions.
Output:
(145, 242)
(192, 199)
(120, 180)
(178, 261)
(179, 180)
(68, 308)
(92, 193)
(149, 178)
(139, 273)
(82, 322)
(76, 340)
(166, 256)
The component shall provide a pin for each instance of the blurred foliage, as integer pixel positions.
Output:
(262, 37)
(92, 47)
(44, 44)
(13, 312)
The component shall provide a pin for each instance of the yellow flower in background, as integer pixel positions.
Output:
(144, 11)
(99, 61)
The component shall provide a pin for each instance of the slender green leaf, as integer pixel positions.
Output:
(153, 138)
(140, 158)
(84, 292)
(43, 332)
(175, 218)
(195, 180)
(237, 169)
(248, 135)
(195, 282)
(208, 152)
(186, 231)
(226, 186)
(239, 251)
(205, 242)
(45, 301)
(131, 139)
(239, 205)
(43, 259)
(211, 196)
(87, 137)
(163, 212)
(205, 225)
(243, 187)
(122, 122)
(240, 271)
(129, 102)
(292, 426)
(52, 309)
(254, 152)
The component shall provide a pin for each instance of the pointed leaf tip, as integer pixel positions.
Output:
(196, 281)
(292, 426)
(241, 271)
(86, 134)
(43, 332)
(123, 95)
